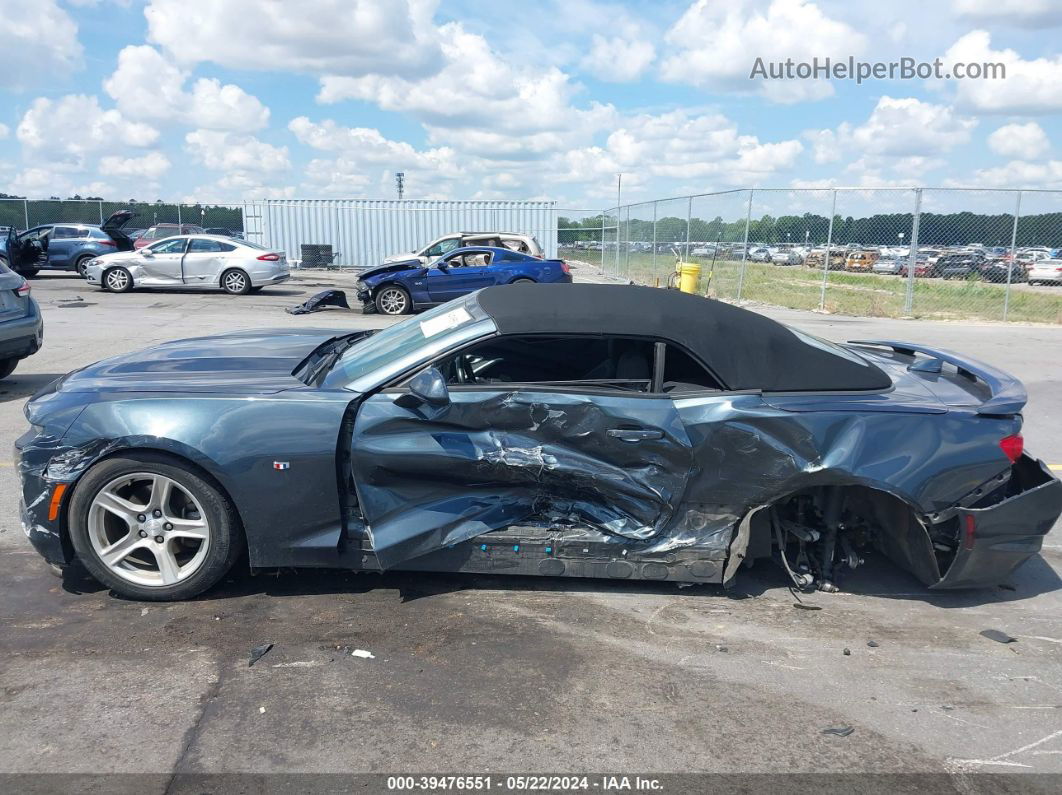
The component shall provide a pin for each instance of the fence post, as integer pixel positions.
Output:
(601, 251)
(25, 211)
(178, 217)
(101, 212)
(912, 255)
(745, 249)
(689, 222)
(657, 278)
(826, 256)
(1013, 253)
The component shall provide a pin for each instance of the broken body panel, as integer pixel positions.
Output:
(538, 479)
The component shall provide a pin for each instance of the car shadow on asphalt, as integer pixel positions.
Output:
(16, 386)
(878, 579)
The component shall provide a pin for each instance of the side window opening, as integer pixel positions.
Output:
(682, 373)
(616, 363)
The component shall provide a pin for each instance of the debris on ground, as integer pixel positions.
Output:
(873, 644)
(847, 652)
(721, 647)
(365, 655)
(258, 652)
(997, 635)
(840, 731)
(319, 301)
(802, 606)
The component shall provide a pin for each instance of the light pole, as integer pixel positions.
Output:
(901, 236)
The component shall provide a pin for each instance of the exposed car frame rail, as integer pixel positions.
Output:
(1008, 393)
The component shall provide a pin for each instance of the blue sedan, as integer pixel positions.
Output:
(399, 288)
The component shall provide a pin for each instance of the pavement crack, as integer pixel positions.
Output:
(191, 734)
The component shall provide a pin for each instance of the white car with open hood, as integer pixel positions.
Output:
(235, 266)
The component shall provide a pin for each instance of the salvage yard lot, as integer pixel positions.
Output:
(476, 674)
(864, 294)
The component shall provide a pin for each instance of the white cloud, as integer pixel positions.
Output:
(1030, 87)
(898, 131)
(150, 166)
(909, 126)
(41, 181)
(345, 37)
(147, 84)
(75, 125)
(368, 159)
(240, 154)
(718, 43)
(40, 43)
(1024, 13)
(5, 131)
(618, 59)
(1020, 174)
(479, 102)
(707, 149)
(1021, 141)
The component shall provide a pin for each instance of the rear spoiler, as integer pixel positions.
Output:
(1008, 393)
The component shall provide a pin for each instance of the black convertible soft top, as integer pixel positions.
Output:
(744, 349)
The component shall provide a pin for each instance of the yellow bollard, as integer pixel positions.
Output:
(689, 276)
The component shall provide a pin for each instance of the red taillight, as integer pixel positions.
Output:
(969, 532)
(564, 267)
(110, 243)
(23, 290)
(1012, 447)
(270, 258)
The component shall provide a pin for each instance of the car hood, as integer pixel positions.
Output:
(242, 362)
(406, 256)
(391, 267)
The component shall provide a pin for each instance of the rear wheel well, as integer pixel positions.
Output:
(825, 530)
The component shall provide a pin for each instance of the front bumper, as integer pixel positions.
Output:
(997, 538)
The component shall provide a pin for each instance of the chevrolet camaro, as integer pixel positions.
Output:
(560, 430)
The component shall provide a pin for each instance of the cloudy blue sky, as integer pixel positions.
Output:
(227, 99)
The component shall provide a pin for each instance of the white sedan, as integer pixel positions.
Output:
(235, 266)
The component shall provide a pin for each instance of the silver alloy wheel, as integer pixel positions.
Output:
(148, 529)
(117, 280)
(393, 301)
(235, 282)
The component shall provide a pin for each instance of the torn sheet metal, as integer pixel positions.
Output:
(430, 478)
(319, 302)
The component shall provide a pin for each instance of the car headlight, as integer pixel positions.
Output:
(360, 285)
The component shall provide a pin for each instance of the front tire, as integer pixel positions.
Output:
(81, 266)
(235, 282)
(117, 280)
(393, 300)
(151, 530)
(522, 281)
(7, 366)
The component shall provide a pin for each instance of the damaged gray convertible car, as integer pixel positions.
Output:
(558, 430)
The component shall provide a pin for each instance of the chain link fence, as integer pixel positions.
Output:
(22, 214)
(934, 253)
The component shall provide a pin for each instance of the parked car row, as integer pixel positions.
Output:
(70, 246)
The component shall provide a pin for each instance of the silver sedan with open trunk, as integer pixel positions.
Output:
(235, 266)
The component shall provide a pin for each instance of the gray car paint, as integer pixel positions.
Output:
(431, 483)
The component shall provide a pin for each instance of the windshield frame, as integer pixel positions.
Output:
(398, 341)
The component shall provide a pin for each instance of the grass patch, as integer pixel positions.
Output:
(860, 294)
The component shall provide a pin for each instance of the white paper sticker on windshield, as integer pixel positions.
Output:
(445, 322)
